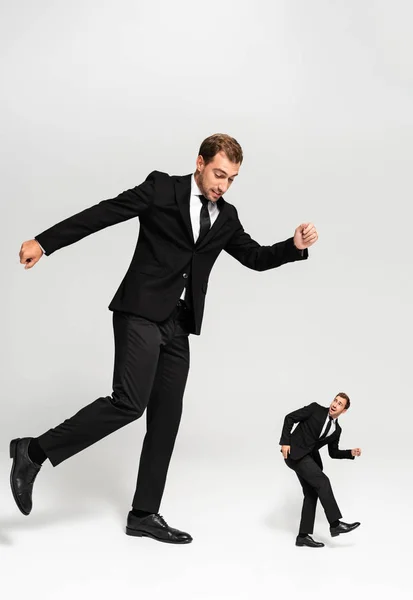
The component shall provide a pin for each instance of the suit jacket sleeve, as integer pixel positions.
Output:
(335, 452)
(127, 205)
(302, 414)
(261, 258)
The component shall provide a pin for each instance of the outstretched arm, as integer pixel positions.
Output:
(127, 205)
(261, 258)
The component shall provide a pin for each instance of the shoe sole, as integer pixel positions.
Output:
(13, 448)
(137, 533)
(341, 532)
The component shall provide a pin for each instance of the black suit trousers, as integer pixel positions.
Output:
(315, 485)
(150, 372)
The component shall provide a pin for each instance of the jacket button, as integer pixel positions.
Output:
(185, 275)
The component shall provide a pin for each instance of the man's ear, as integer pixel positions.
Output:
(200, 163)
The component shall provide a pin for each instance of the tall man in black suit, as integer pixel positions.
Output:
(317, 426)
(184, 225)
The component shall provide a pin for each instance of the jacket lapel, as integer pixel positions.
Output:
(321, 420)
(219, 222)
(183, 195)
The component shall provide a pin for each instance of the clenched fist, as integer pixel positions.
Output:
(305, 236)
(30, 253)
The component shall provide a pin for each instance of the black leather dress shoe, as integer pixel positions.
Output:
(308, 541)
(155, 526)
(23, 473)
(343, 528)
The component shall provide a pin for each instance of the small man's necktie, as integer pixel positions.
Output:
(327, 429)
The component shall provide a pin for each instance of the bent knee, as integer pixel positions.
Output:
(127, 404)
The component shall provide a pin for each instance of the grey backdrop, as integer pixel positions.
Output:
(95, 95)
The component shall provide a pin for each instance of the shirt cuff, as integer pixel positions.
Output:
(44, 251)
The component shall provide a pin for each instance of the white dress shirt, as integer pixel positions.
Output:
(332, 428)
(195, 206)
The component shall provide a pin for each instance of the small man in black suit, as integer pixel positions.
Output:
(317, 426)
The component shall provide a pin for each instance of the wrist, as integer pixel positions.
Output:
(40, 246)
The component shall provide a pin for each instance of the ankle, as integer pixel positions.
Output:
(35, 452)
(140, 513)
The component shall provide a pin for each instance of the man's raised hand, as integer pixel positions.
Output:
(305, 236)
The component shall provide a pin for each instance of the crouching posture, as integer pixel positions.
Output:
(317, 426)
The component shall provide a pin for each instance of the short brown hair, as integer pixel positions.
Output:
(221, 142)
(343, 395)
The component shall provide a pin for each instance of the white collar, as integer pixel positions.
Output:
(195, 191)
(334, 418)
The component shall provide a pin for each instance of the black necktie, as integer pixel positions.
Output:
(204, 219)
(327, 429)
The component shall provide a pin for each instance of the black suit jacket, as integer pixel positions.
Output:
(166, 256)
(305, 439)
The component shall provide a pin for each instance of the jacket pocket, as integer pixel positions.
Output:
(151, 269)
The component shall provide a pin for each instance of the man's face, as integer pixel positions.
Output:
(337, 407)
(215, 178)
